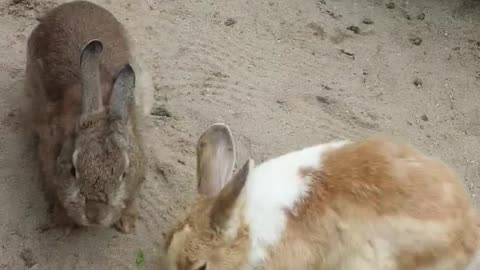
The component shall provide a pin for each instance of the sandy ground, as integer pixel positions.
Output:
(283, 74)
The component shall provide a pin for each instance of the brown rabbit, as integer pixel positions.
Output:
(373, 204)
(84, 115)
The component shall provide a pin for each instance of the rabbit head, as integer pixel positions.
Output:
(94, 164)
(213, 236)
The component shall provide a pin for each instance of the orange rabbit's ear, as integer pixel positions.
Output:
(215, 159)
(175, 245)
(225, 210)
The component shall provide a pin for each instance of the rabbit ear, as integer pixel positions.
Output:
(215, 159)
(122, 94)
(226, 203)
(90, 76)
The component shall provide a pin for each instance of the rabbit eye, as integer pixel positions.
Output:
(73, 171)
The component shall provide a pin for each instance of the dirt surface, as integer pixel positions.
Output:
(283, 74)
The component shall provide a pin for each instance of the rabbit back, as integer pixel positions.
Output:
(59, 38)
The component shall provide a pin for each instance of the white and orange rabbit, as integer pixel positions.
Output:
(373, 204)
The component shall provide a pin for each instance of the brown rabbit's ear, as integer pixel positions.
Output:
(122, 94)
(225, 212)
(90, 76)
(215, 159)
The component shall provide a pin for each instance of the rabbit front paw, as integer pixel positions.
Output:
(127, 221)
(126, 224)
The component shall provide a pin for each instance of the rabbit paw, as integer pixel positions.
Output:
(126, 224)
(129, 217)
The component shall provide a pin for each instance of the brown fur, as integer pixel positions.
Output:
(60, 37)
(375, 204)
(54, 82)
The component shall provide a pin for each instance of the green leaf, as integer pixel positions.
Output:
(139, 260)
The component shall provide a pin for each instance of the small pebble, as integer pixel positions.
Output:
(354, 29)
(424, 117)
(416, 41)
(161, 111)
(323, 100)
(367, 21)
(418, 83)
(326, 87)
(390, 5)
(220, 74)
(347, 53)
(230, 22)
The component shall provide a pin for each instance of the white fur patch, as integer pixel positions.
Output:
(118, 199)
(475, 264)
(75, 158)
(272, 188)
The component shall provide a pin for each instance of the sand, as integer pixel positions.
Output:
(283, 74)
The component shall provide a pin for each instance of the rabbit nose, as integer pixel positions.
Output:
(96, 212)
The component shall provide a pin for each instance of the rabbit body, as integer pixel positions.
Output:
(373, 204)
(84, 116)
